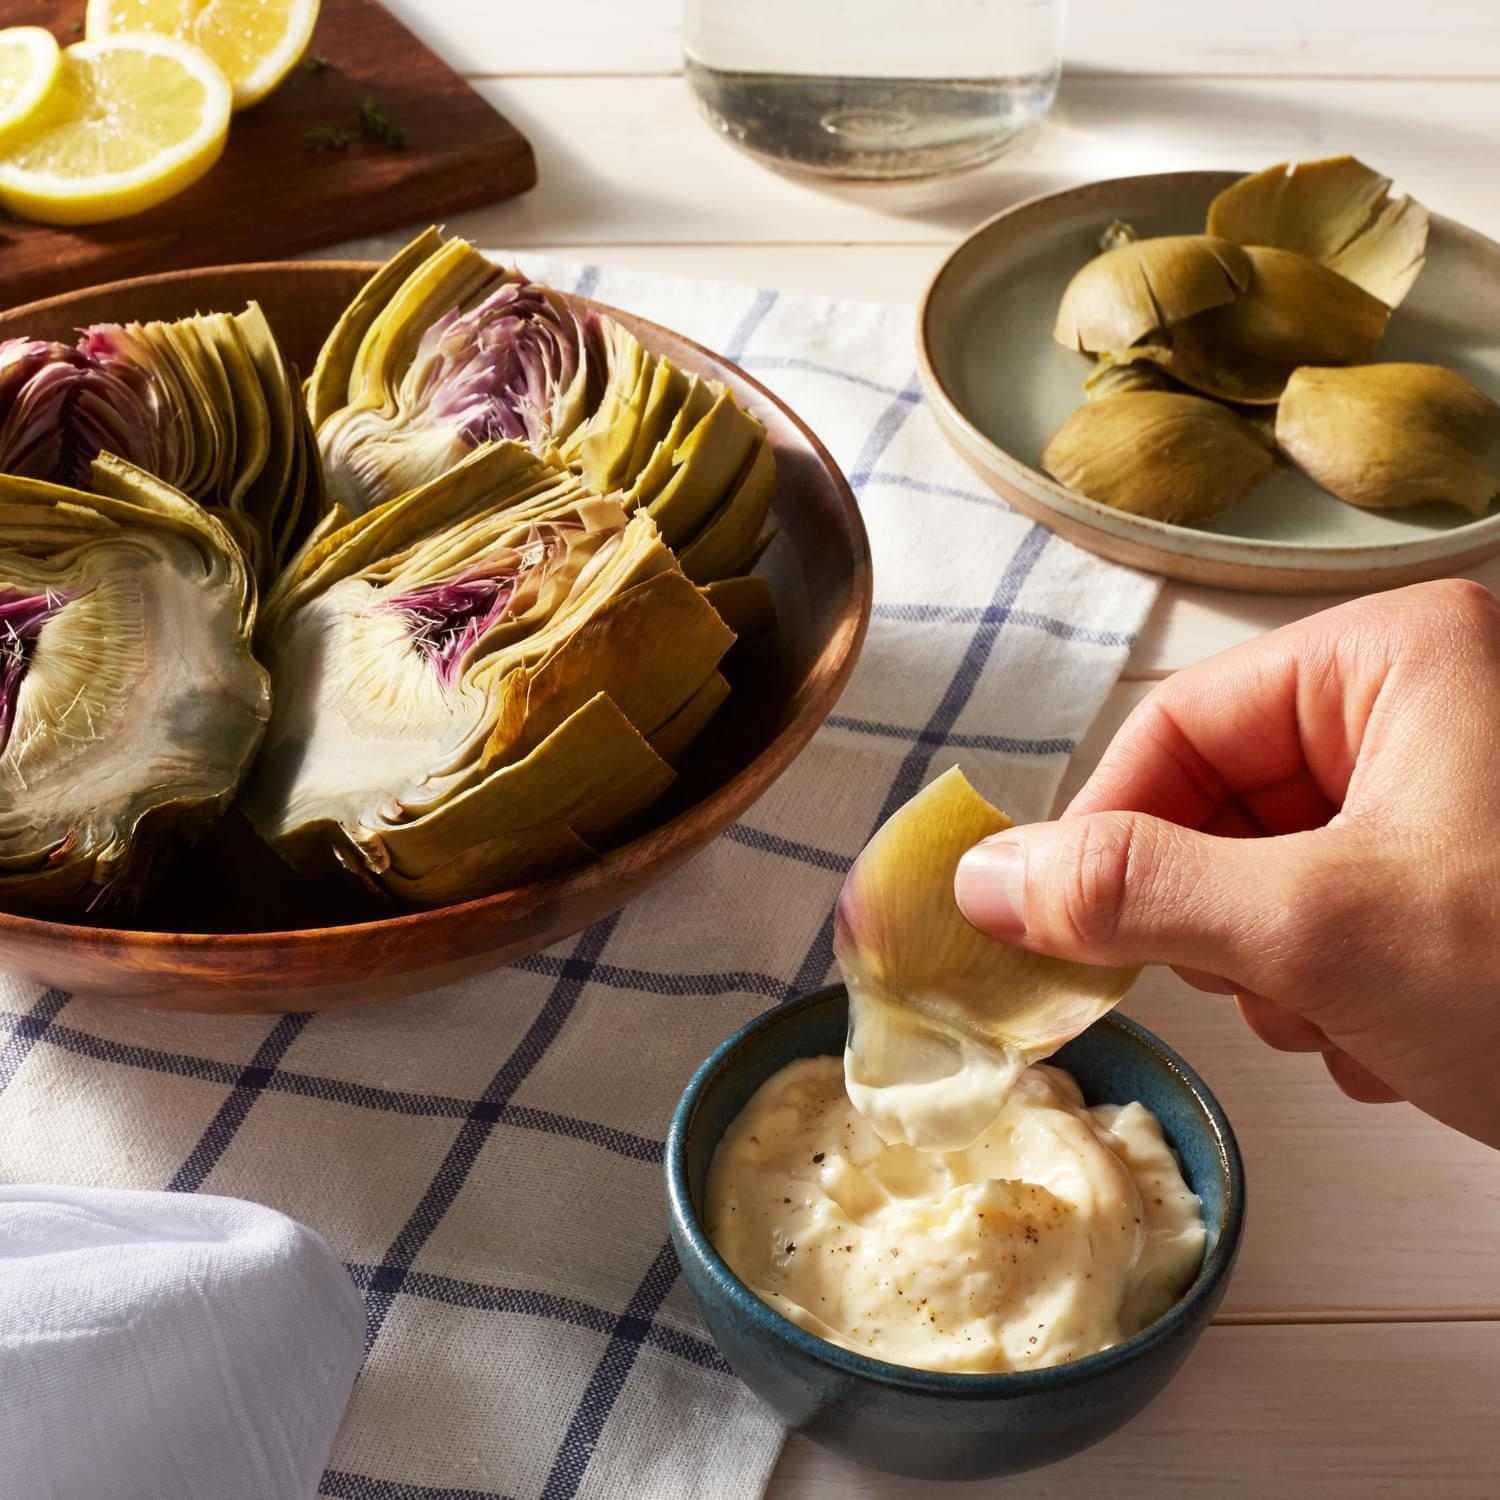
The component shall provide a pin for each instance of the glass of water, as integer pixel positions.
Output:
(873, 88)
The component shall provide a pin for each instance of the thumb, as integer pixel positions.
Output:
(1123, 888)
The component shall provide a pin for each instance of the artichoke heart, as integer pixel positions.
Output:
(479, 682)
(130, 703)
(1385, 436)
(1294, 311)
(207, 404)
(442, 352)
(1338, 211)
(929, 996)
(1172, 457)
(1139, 290)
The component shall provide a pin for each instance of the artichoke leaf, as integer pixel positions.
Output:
(745, 604)
(1390, 435)
(1295, 311)
(1118, 375)
(673, 739)
(650, 647)
(509, 859)
(697, 402)
(705, 467)
(1171, 457)
(926, 990)
(729, 541)
(327, 387)
(131, 704)
(1336, 210)
(592, 772)
(1144, 288)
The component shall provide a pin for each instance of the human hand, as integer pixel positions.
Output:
(1311, 822)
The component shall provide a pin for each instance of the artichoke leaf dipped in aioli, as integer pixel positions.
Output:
(1169, 456)
(942, 1018)
(1390, 435)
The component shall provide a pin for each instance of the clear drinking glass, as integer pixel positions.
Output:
(873, 88)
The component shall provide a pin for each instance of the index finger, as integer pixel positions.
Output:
(1262, 738)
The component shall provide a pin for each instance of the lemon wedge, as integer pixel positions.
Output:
(29, 62)
(128, 123)
(255, 42)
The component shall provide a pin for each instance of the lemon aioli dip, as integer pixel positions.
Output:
(1059, 1231)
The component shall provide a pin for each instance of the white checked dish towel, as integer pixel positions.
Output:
(485, 1159)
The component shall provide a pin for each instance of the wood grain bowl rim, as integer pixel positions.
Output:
(1258, 563)
(821, 686)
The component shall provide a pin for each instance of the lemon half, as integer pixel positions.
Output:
(255, 42)
(127, 123)
(29, 63)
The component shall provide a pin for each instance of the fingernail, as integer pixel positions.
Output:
(990, 886)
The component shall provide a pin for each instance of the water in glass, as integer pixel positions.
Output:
(873, 88)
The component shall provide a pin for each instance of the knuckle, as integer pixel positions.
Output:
(1463, 605)
(1096, 861)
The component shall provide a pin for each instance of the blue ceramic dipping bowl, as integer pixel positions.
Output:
(921, 1422)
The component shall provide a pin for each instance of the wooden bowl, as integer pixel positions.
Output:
(819, 571)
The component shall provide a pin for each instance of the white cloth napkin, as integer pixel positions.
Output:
(159, 1345)
(486, 1159)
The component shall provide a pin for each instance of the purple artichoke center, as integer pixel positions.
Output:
(62, 406)
(445, 619)
(492, 372)
(21, 619)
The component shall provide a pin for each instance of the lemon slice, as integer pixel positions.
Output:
(256, 42)
(29, 63)
(128, 123)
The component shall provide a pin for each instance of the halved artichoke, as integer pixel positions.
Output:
(207, 404)
(1385, 436)
(477, 683)
(942, 1018)
(130, 704)
(1338, 211)
(443, 351)
(1162, 454)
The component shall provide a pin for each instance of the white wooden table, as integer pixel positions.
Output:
(1358, 1352)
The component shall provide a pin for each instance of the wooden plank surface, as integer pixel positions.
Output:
(1441, 39)
(628, 161)
(1349, 1413)
(270, 195)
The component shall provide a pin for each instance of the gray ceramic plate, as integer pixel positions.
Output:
(1001, 385)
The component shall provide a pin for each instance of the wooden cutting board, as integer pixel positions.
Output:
(271, 194)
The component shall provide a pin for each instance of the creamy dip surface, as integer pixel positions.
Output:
(1059, 1231)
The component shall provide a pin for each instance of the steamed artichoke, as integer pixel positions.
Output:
(1161, 454)
(443, 351)
(479, 681)
(1337, 211)
(206, 404)
(1383, 436)
(927, 992)
(130, 704)
(1140, 290)
(1293, 311)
